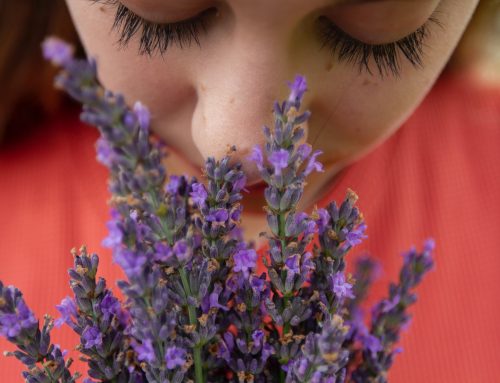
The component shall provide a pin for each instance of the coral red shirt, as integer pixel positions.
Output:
(439, 176)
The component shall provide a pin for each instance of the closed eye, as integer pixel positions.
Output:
(385, 56)
(156, 37)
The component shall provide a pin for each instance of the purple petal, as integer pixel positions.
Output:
(57, 51)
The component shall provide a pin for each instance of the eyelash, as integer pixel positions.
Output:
(386, 56)
(157, 38)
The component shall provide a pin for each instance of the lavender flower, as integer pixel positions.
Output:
(132, 263)
(244, 260)
(340, 287)
(91, 337)
(98, 317)
(173, 184)
(390, 315)
(298, 88)
(144, 350)
(57, 51)
(143, 115)
(104, 152)
(290, 264)
(355, 236)
(322, 358)
(44, 360)
(195, 308)
(175, 357)
(257, 157)
(199, 194)
(68, 311)
(279, 160)
(313, 164)
(22, 319)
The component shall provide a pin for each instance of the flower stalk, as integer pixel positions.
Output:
(195, 308)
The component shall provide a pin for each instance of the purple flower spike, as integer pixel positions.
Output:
(258, 337)
(199, 194)
(25, 316)
(104, 152)
(9, 325)
(279, 160)
(173, 184)
(175, 357)
(217, 216)
(182, 251)
(244, 260)
(311, 228)
(163, 252)
(57, 51)
(129, 261)
(67, 308)
(429, 245)
(340, 287)
(257, 157)
(293, 263)
(313, 164)
(115, 235)
(303, 151)
(298, 88)
(239, 184)
(355, 237)
(371, 343)
(323, 220)
(143, 115)
(91, 337)
(175, 244)
(145, 351)
(110, 305)
(214, 298)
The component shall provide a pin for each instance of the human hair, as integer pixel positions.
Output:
(478, 47)
(28, 94)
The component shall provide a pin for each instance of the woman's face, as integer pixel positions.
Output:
(214, 82)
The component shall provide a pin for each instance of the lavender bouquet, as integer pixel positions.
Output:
(196, 308)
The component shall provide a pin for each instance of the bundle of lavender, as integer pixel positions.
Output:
(196, 309)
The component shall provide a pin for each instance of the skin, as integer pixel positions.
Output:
(204, 98)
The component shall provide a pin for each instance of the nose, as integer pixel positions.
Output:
(235, 100)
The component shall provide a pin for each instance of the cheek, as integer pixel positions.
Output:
(160, 83)
(162, 86)
(362, 112)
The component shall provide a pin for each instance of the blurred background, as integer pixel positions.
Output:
(28, 96)
(54, 210)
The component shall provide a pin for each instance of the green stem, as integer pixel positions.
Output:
(198, 367)
(282, 376)
(281, 233)
(49, 375)
(286, 327)
(156, 204)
